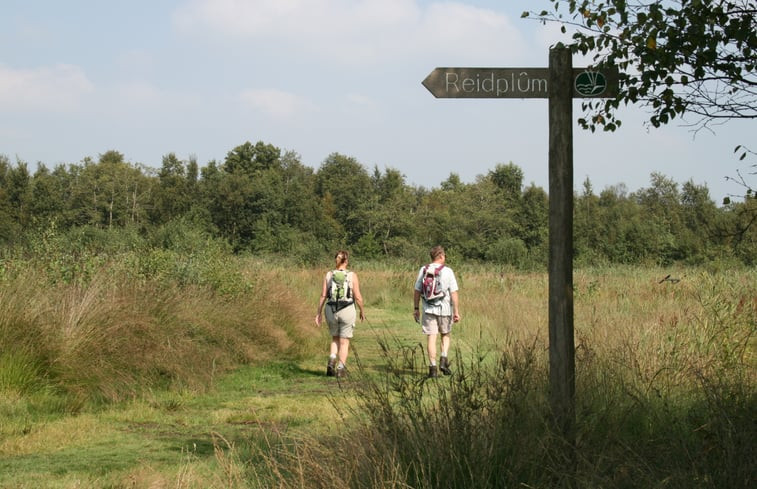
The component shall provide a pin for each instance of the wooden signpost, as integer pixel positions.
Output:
(559, 83)
(515, 83)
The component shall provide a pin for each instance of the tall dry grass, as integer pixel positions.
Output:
(665, 371)
(665, 393)
(122, 331)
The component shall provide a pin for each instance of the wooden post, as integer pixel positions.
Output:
(561, 341)
(557, 84)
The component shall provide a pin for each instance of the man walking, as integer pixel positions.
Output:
(436, 285)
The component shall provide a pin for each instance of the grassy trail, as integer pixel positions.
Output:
(643, 351)
(171, 438)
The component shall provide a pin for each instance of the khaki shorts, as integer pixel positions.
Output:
(341, 323)
(433, 324)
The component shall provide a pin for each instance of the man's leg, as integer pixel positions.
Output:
(445, 343)
(431, 347)
(433, 371)
(444, 361)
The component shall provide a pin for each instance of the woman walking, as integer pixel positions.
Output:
(340, 294)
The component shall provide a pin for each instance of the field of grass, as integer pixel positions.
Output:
(160, 371)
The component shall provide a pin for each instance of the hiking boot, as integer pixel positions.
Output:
(331, 368)
(444, 366)
(433, 372)
(341, 372)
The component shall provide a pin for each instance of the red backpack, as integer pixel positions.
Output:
(431, 288)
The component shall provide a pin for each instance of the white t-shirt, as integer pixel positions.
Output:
(448, 283)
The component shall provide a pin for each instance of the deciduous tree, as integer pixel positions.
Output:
(686, 56)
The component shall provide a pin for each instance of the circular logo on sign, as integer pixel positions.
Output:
(591, 83)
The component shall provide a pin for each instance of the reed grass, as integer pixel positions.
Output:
(665, 385)
(121, 331)
(665, 393)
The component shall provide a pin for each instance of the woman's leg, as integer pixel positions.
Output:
(344, 349)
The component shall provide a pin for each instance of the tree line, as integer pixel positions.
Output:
(265, 201)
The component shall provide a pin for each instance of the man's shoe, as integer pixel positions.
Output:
(341, 372)
(444, 366)
(433, 372)
(330, 368)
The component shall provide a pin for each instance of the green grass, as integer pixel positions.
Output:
(665, 386)
(167, 430)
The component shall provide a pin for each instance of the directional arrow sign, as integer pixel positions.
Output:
(516, 83)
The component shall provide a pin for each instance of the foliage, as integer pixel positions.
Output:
(685, 56)
(265, 202)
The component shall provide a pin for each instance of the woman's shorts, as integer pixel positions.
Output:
(342, 322)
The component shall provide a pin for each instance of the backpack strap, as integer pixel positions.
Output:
(329, 279)
(348, 283)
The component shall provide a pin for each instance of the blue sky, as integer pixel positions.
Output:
(199, 77)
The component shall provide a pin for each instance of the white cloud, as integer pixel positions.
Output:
(57, 88)
(138, 93)
(455, 28)
(360, 100)
(300, 19)
(358, 31)
(135, 61)
(278, 104)
(142, 97)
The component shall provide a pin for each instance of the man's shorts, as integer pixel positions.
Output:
(433, 324)
(342, 322)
